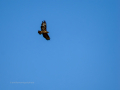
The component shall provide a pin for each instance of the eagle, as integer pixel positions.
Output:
(44, 31)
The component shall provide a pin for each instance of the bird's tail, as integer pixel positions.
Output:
(40, 32)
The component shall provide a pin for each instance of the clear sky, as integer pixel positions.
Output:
(83, 53)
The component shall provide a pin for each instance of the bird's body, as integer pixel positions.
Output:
(44, 31)
(41, 32)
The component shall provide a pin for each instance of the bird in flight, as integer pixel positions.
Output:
(44, 31)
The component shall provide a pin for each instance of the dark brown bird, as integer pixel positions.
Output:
(44, 30)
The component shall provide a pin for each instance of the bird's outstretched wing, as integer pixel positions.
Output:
(46, 36)
(43, 26)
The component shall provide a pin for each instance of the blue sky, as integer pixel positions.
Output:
(83, 53)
